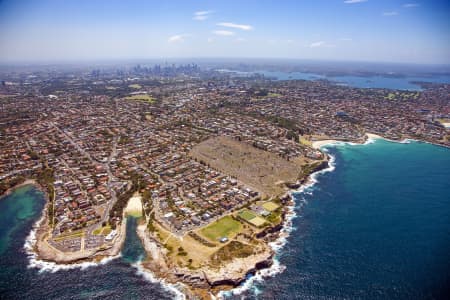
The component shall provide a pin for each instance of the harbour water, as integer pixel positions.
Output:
(377, 227)
(409, 83)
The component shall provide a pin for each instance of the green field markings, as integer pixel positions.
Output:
(224, 227)
(251, 218)
(246, 214)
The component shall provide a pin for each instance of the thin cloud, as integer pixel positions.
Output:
(234, 25)
(321, 44)
(354, 1)
(411, 5)
(390, 13)
(202, 15)
(177, 38)
(317, 44)
(223, 32)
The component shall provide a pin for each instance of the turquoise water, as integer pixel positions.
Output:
(404, 83)
(377, 227)
(16, 211)
(117, 279)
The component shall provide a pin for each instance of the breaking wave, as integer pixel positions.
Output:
(278, 245)
(52, 267)
(174, 289)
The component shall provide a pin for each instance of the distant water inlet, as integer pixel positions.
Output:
(410, 83)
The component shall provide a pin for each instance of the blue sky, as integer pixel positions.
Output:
(366, 30)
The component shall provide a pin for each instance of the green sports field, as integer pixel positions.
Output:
(251, 217)
(246, 215)
(270, 206)
(224, 227)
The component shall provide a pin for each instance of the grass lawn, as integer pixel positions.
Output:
(258, 221)
(274, 217)
(231, 250)
(251, 217)
(70, 235)
(135, 214)
(102, 230)
(225, 227)
(305, 141)
(141, 97)
(246, 215)
(270, 206)
(274, 95)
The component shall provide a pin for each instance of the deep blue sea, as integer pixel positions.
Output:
(377, 227)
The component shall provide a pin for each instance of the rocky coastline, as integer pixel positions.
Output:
(206, 282)
(203, 283)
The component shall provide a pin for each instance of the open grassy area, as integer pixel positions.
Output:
(274, 95)
(246, 214)
(135, 86)
(141, 97)
(251, 218)
(261, 170)
(270, 206)
(230, 251)
(274, 217)
(224, 227)
(258, 221)
(193, 253)
(102, 230)
(69, 236)
(136, 214)
(305, 141)
(444, 121)
(404, 95)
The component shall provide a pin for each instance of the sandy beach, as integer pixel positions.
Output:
(319, 144)
(134, 206)
(373, 136)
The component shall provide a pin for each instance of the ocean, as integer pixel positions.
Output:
(376, 227)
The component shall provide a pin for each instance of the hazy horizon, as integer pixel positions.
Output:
(49, 31)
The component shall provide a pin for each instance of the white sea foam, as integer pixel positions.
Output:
(278, 244)
(175, 289)
(46, 266)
